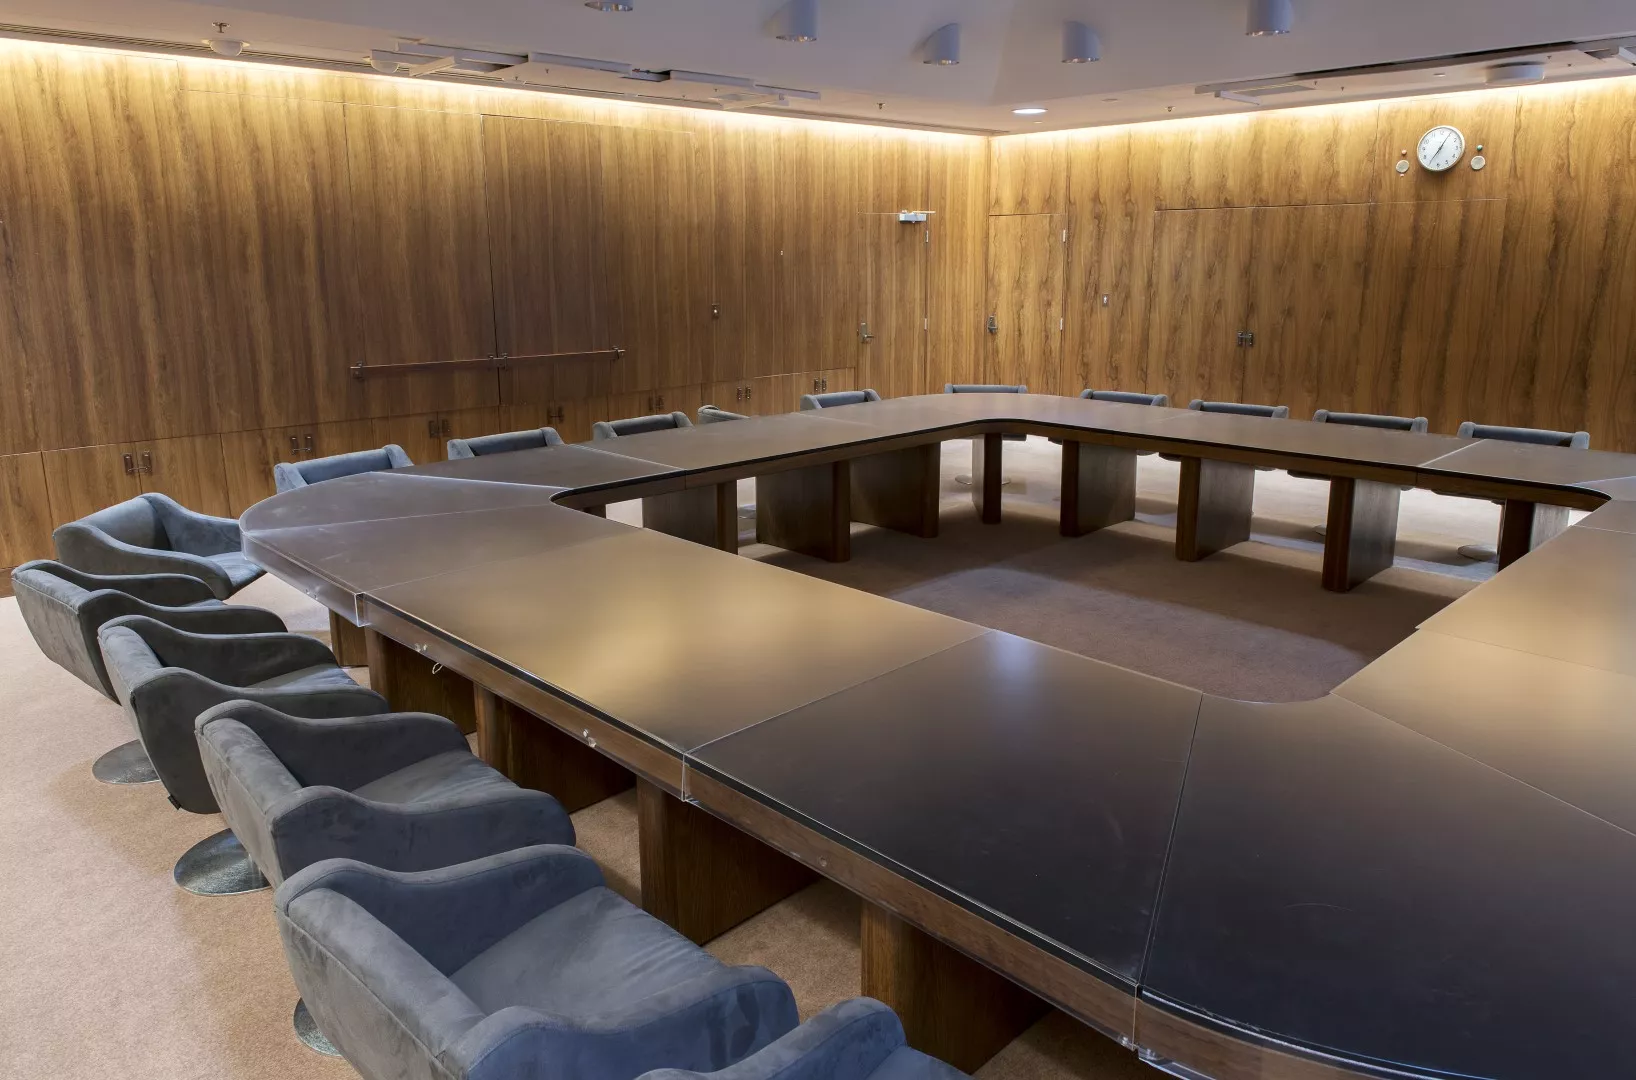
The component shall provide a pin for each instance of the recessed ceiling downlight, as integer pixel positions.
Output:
(1029, 110)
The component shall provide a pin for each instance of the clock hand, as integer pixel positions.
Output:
(1440, 146)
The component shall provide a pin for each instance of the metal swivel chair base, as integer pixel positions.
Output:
(218, 865)
(306, 1029)
(125, 764)
(965, 480)
(1478, 552)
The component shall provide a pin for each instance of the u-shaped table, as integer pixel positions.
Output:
(1427, 873)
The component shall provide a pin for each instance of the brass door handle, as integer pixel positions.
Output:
(993, 325)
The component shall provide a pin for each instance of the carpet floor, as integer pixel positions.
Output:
(113, 971)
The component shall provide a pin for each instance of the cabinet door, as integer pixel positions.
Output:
(248, 458)
(572, 419)
(892, 305)
(1196, 284)
(736, 397)
(1027, 257)
(466, 424)
(85, 479)
(667, 399)
(25, 510)
(776, 394)
(420, 435)
(189, 470)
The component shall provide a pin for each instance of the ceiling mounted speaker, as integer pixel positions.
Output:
(1269, 17)
(800, 21)
(943, 47)
(1526, 71)
(1080, 44)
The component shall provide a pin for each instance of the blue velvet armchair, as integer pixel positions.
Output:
(503, 443)
(401, 791)
(289, 475)
(517, 965)
(837, 397)
(710, 414)
(603, 430)
(859, 1039)
(154, 534)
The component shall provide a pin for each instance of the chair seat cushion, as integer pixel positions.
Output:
(593, 958)
(317, 677)
(240, 571)
(908, 1064)
(457, 772)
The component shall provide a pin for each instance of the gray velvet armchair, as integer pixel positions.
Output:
(154, 534)
(855, 1040)
(517, 965)
(166, 677)
(289, 475)
(1574, 440)
(1126, 397)
(711, 414)
(64, 608)
(837, 397)
(401, 791)
(603, 430)
(503, 443)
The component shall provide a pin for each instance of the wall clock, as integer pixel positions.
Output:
(1441, 148)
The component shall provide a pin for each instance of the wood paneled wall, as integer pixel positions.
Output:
(195, 253)
(1503, 296)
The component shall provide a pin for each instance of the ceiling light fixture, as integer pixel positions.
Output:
(608, 5)
(1080, 44)
(1270, 17)
(943, 47)
(1028, 110)
(1526, 71)
(800, 21)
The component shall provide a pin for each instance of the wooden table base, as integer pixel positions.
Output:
(1361, 537)
(413, 683)
(899, 490)
(704, 515)
(951, 1006)
(534, 753)
(986, 478)
(1098, 487)
(701, 875)
(807, 510)
(347, 642)
(1524, 526)
(1213, 505)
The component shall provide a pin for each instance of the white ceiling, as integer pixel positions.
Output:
(866, 62)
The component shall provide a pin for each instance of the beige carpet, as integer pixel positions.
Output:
(110, 970)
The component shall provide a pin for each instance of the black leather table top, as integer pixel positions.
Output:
(1427, 873)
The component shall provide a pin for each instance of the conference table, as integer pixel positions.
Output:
(1428, 872)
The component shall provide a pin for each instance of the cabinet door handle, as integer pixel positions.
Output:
(130, 465)
(863, 333)
(445, 426)
(147, 462)
(749, 392)
(826, 384)
(295, 447)
(310, 449)
(431, 428)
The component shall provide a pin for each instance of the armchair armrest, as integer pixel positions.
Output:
(451, 914)
(194, 533)
(86, 547)
(849, 1040)
(231, 659)
(103, 607)
(165, 590)
(347, 752)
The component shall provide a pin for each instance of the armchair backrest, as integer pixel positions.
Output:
(1239, 408)
(710, 414)
(51, 603)
(289, 475)
(135, 521)
(983, 388)
(1374, 420)
(1576, 440)
(503, 443)
(638, 425)
(1126, 397)
(837, 397)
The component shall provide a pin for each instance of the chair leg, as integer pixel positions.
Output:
(306, 1029)
(125, 764)
(218, 865)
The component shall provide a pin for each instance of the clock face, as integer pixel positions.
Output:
(1441, 148)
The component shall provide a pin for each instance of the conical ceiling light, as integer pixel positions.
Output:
(800, 21)
(1080, 44)
(943, 47)
(1270, 17)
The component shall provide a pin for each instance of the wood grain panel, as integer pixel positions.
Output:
(1196, 295)
(274, 215)
(1029, 174)
(25, 510)
(957, 276)
(419, 254)
(818, 266)
(1026, 262)
(248, 458)
(546, 239)
(85, 479)
(1109, 248)
(658, 260)
(744, 179)
(190, 470)
(892, 303)
(99, 235)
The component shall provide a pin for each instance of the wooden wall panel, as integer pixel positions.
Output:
(1029, 174)
(820, 198)
(958, 272)
(274, 226)
(744, 179)
(1109, 248)
(190, 470)
(419, 254)
(85, 479)
(1196, 279)
(892, 303)
(658, 261)
(100, 234)
(1026, 259)
(25, 510)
